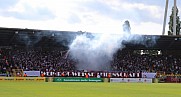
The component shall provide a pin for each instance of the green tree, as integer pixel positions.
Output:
(178, 22)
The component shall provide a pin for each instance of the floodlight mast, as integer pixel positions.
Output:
(174, 17)
(165, 17)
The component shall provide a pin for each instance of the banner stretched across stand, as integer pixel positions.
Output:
(93, 74)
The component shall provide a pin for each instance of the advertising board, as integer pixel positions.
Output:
(173, 79)
(23, 79)
(60, 79)
(131, 80)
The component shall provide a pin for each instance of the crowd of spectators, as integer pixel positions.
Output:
(57, 60)
(36, 60)
(129, 61)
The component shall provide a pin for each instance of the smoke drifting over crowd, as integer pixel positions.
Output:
(96, 53)
(91, 53)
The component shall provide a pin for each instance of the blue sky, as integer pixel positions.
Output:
(97, 16)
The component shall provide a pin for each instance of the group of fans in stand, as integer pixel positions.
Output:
(56, 60)
(129, 61)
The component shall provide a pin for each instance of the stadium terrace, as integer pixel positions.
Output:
(46, 51)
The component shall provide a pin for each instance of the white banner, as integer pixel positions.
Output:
(131, 80)
(148, 75)
(32, 73)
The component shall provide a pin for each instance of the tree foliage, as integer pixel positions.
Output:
(178, 22)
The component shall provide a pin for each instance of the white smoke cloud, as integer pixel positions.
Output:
(96, 53)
